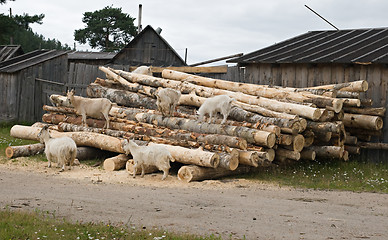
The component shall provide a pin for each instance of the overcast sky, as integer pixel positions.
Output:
(212, 28)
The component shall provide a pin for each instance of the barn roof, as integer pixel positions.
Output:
(10, 51)
(138, 37)
(29, 59)
(343, 46)
(90, 55)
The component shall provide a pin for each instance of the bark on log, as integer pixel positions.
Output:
(229, 161)
(367, 111)
(254, 89)
(250, 158)
(356, 86)
(115, 163)
(346, 94)
(350, 140)
(191, 156)
(307, 154)
(24, 150)
(251, 135)
(371, 145)
(95, 140)
(352, 149)
(196, 173)
(184, 87)
(328, 151)
(147, 168)
(323, 127)
(287, 154)
(362, 121)
(121, 97)
(179, 135)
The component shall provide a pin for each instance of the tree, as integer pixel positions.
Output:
(108, 29)
(5, 1)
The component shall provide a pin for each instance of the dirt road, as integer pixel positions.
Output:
(234, 208)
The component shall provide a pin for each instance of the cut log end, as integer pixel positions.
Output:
(215, 160)
(337, 105)
(316, 114)
(9, 152)
(184, 174)
(298, 143)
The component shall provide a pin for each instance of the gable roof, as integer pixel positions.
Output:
(10, 51)
(28, 60)
(90, 55)
(332, 46)
(137, 40)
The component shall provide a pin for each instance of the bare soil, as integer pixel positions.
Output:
(234, 208)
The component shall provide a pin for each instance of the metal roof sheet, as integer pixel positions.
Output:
(343, 46)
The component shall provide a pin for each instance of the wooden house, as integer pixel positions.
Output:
(324, 57)
(148, 48)
(27, 81)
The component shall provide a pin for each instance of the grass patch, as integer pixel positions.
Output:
(6, 140)
(38, 225)
(329, 174)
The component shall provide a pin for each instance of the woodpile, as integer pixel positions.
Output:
(267, 125)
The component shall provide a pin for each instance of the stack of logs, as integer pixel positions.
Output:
(267, 125)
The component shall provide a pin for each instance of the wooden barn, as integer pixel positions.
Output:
(10, 51)
(27, 81)
(148, 48)
(325, 57)
(91, 58)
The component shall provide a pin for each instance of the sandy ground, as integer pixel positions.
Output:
(231, 208)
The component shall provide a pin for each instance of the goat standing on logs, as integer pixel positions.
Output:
(220, 103)
(166, 100)
(61, 150)
(93, 107)
(154, 155)
(143, 70)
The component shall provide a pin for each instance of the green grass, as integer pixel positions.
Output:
(329, 174)
(38, 225)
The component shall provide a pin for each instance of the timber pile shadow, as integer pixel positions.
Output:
(267, 125)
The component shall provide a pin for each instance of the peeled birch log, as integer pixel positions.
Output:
(184, 87)
(362, 121)
(115, 163)
(147, 168)
(254, 89)
(328, 151)
(191, 156)
(356, 86)
(366, 111)
(307, 154)
(24, 150)
(196, 173)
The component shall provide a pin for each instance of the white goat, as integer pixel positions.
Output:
(61, 150)
(154, 155)
(166, 100)
(92, 107)
(143, 70)
(219, 103)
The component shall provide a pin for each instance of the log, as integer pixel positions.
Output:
(371, 145)
(251, 135)
(346, 94)
(356, 86)
(350, 140)
(185, 87)
(90, 139)
(323, 127)
(115, 163)
(121, 97)
(362, 121)
(254, 89)
(250, 158)
(24, 150)
(147, 168)
(196, 173)
(229, 161)
(307, 154)
(298, 142)
(352, 149)
(191, 156)
(287, 154)
(328, 151)
(366, 111)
